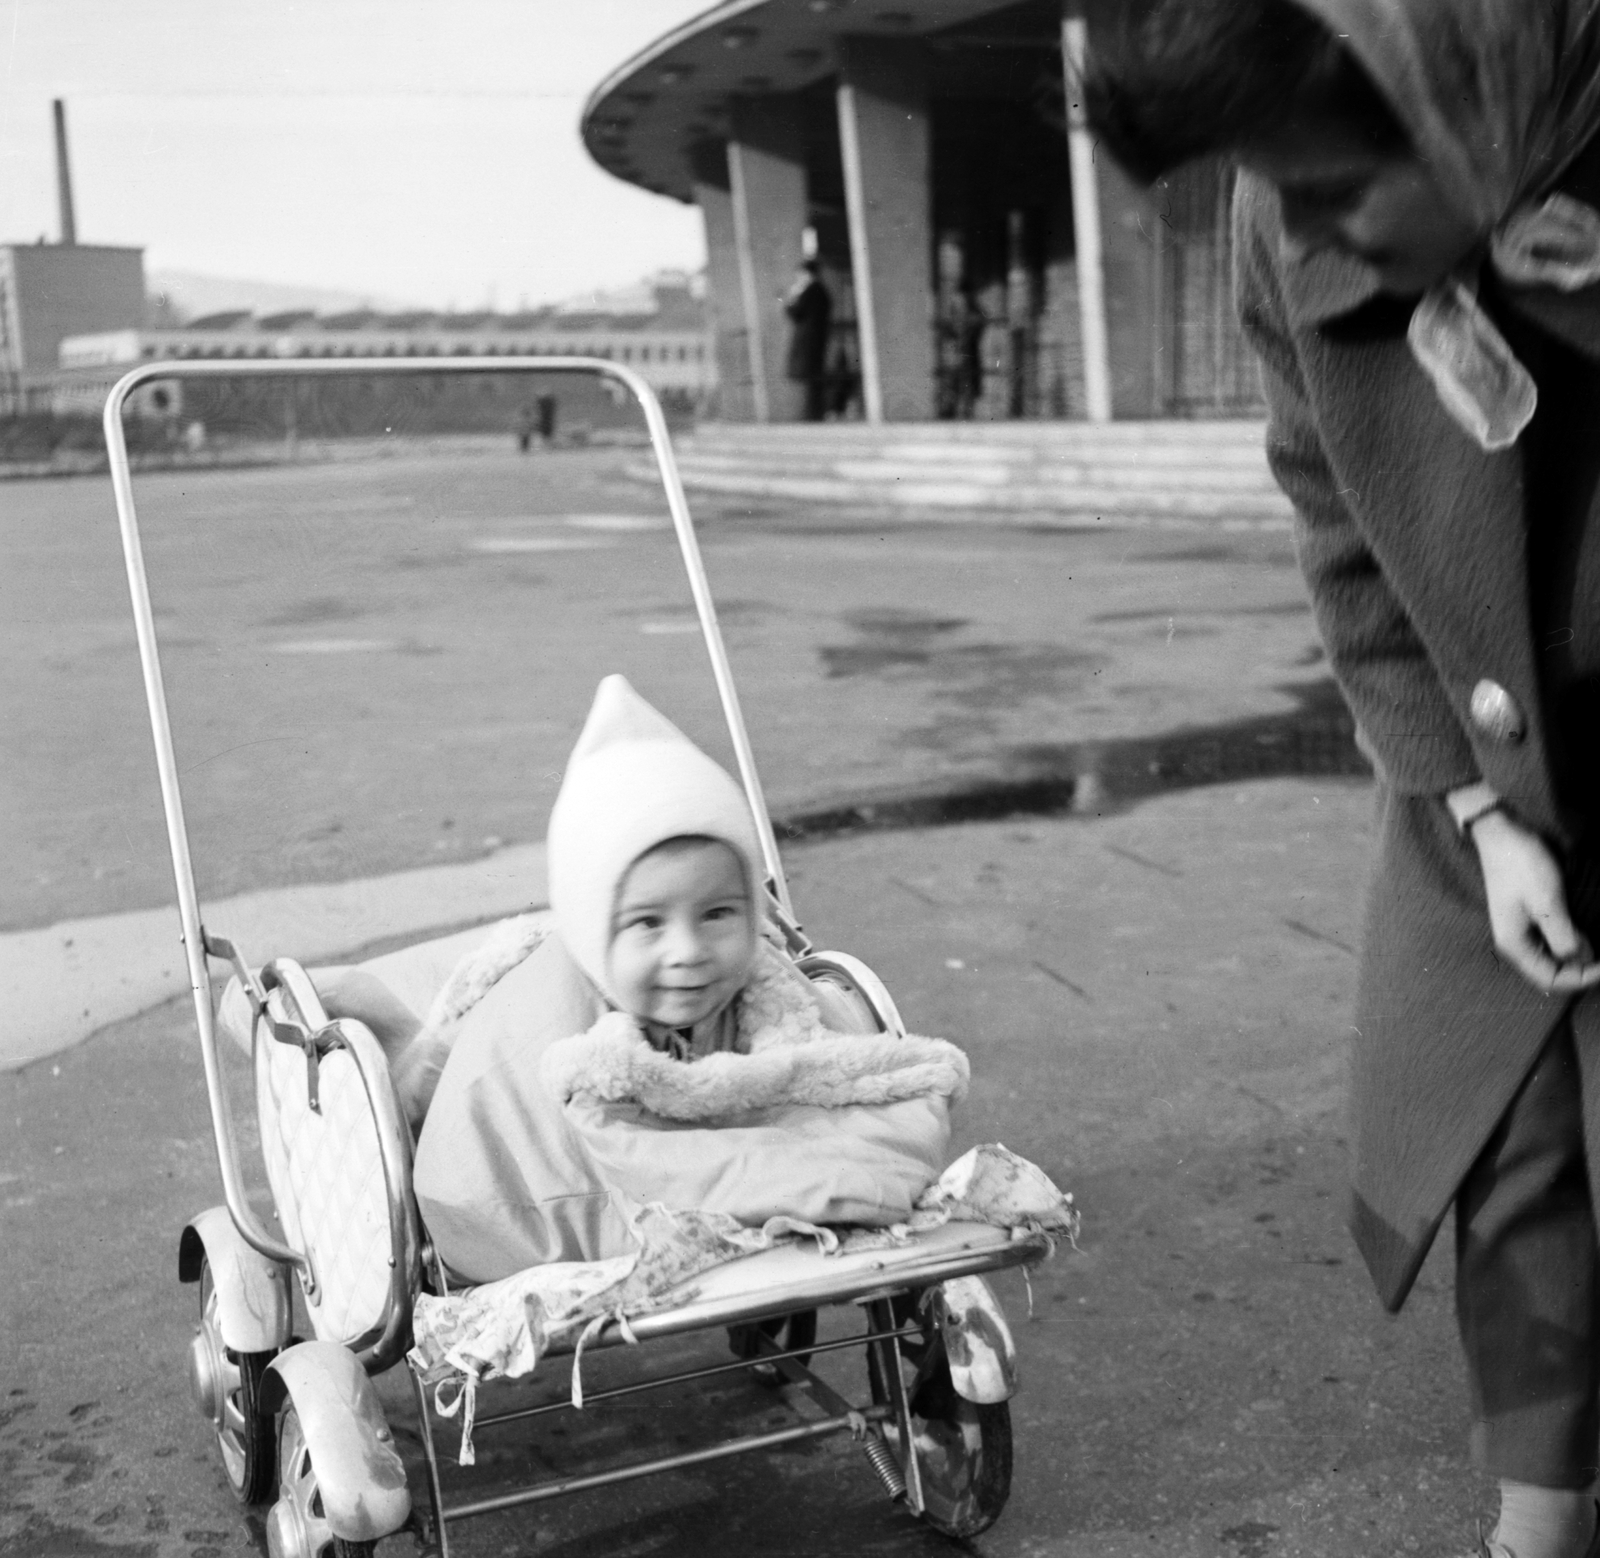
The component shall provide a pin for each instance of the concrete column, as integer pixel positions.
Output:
(725, 294)
(767, 183)
(886, 149)
(1130, 228)
(1086, 228)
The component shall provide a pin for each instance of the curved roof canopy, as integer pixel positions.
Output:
(653, 117)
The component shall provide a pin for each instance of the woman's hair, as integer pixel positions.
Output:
(1168, 81)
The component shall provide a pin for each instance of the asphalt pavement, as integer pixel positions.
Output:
(1155, 1005)
(376, 666)
(1153, 985)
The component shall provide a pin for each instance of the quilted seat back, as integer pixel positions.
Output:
(329, 1183)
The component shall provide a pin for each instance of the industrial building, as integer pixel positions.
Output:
(49, 291)
(73, 319)
(934, 160)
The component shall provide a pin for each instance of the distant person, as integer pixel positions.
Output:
(527, 423)
(809, 306)
(1417, 231)
(962, 322)
(547, 419)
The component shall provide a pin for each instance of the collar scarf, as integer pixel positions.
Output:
(710, 1036)
(1498, 97)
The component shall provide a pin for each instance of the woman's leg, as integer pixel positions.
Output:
(1527, 1265)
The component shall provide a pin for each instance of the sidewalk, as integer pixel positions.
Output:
(1154, 1003)
(63, 982)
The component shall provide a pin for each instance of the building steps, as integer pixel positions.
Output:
(1076, 471)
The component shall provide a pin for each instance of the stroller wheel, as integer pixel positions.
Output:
(963, 1448)
(792, 1333)
(227, 1389)
(296, 1524)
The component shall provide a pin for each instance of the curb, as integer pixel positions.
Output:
(61, 983)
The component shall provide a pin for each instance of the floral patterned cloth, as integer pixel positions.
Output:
(502, 1329)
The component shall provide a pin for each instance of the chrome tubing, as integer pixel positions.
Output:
(817, 1429)
(600, 367)
(194, 941)
(193, 933)
(661, 1382)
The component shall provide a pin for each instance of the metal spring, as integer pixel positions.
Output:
(883, 1462)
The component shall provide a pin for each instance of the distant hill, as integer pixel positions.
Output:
(189, 295)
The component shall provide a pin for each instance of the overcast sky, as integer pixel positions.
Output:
(420, 150)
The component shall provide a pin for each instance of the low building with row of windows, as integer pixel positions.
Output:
(676, 363)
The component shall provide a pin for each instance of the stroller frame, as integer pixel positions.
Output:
(300, 1417)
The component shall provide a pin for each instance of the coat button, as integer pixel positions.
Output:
(1496, 713)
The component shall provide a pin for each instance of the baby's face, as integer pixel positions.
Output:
(684, 936)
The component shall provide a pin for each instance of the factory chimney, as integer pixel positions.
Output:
(69, 224)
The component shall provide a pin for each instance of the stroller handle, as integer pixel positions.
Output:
(194, 938)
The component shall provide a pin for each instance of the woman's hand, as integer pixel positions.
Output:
(1528, 914)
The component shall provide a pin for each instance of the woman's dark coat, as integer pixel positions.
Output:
(1413, 544)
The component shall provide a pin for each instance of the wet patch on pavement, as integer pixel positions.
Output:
(41, 1537)
(74, 1465)
(1316, 738)
(1252, 1538)
(1284, 608)
(971, 680)
(1278, 545)
(889, 638)
(318, 609)
(981, 677)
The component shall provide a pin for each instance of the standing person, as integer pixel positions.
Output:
(1417, 229)
(971, 321)
(809, 305)
(547, 419)
(959, 331)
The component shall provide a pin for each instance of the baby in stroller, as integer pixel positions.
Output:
(656, 1045)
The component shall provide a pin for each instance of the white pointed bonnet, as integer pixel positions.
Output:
(634, 780)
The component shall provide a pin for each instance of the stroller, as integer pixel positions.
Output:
(298, 1423)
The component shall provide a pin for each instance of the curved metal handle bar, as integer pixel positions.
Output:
(854, 975)
(155, 695)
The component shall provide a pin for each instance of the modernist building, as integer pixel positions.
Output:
(931, 155)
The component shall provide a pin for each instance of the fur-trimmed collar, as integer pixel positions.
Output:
(790, 1057)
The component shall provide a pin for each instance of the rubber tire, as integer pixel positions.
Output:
(333, 1546)
(975, 1484)
(255, 1481)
